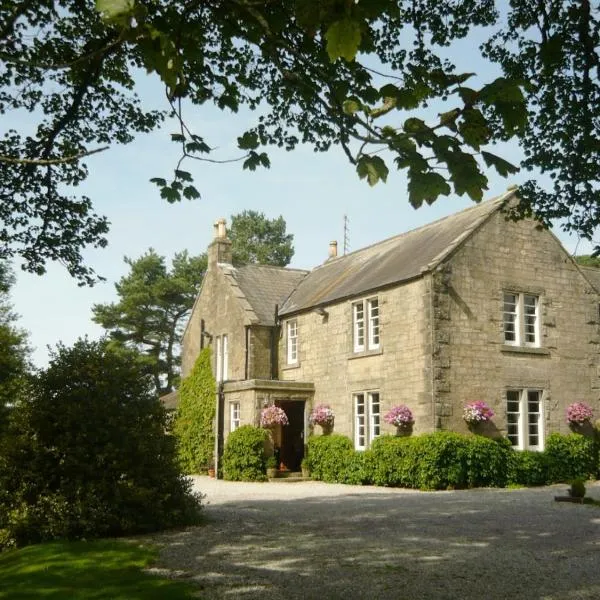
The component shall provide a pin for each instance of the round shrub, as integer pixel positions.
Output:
(86, 453)
(328, 456)
(394, 461)
(528, 468)
(487, 461)
(572, 456)
(244, 454)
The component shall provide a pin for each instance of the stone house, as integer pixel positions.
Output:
(471, 307)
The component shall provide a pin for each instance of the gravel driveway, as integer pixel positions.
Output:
(311, 540)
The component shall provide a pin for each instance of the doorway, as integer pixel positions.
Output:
(292, 435)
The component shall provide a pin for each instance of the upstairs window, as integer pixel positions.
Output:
(292, 342)
(521, 319)
(365, 325)
(222, 358)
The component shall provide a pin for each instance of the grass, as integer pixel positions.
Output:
(98, 570)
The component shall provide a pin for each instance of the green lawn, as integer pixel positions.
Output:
(104, 569)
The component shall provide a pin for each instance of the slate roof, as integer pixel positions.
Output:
(264, 287)
(391, 261)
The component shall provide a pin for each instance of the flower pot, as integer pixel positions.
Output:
(305, 472)
(272, 472)
(327, 429)
(404, 430)
(211, 472)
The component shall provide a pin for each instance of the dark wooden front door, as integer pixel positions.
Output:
(292, 435)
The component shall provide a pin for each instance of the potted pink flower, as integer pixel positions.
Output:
(271, 416)
(477, 412)
(402, 418)
(322, 415)
(579, 418)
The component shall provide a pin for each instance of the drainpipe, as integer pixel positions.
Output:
(274, 345)
(247, 355)
(431, 369)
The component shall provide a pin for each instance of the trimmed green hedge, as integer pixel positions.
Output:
(448, 460)
(244, 454)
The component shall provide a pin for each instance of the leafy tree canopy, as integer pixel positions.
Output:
(86, 453)
(256, 239)
(587, 260)
(14, 351)
(323, 72)
(154, 303)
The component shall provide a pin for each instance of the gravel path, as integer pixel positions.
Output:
(309, 540)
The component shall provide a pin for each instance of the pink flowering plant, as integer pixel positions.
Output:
(477, 412)
(579, 413)
(273, 415)
(322, 415)
(400, 416)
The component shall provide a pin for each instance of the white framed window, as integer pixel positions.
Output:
(525, 418)
(234, 416)
(365, 325)
(521, 319)
(225, 358)
(367, 418)
(292, 342)
(222, 358)
(219, 360)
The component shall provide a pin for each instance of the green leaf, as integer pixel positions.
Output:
(191, 193)
(372, 168)
(425, 186)
(248, 141)
(113, 9)
(343, 39)
(473, 128)
(503, 167)
(183, 175)
(177, 137)
(159, 181)
(169, 194)
(351, 106)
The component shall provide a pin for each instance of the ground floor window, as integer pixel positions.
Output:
(367, 421)
(525, 418)
(234, 416)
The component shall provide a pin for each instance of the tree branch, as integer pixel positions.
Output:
(49, 161)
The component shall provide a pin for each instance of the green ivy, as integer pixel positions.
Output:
(244, 454)
(193, 425)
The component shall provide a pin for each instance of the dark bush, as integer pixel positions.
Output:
(244, 455)
(328, 457)
(570, 457)
(86, 454)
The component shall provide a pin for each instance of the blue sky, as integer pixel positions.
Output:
(312, 191)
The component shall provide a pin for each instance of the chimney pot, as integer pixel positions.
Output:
(332, 249)
(220, 229)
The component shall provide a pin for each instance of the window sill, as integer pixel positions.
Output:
(290, 367)
(365, 353)
(525, 350)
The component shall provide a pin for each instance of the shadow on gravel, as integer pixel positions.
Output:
(461, 545)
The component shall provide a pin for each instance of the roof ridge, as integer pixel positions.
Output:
(271, 267)
(497, 199)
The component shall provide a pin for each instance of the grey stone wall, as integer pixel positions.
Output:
(470, 359)
(399, 370)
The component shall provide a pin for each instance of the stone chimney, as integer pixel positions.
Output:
(332, 250)
(219, 250)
